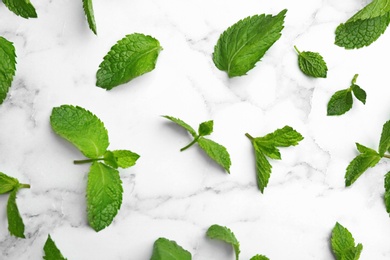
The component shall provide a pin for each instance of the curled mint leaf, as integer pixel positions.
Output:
(312, 64)
(224, 234)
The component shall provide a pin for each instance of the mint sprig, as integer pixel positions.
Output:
(7, 66)
(23, 8)
(51, 250)
(104, 189)
(266, 146)
(342, 101)
(15, 221)
(243, 44)
(312, 63)
(214, 150)
(343, 244)
(164, 249)
(88, 9)
(132, 56)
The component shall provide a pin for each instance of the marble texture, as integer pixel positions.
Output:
(178, 195)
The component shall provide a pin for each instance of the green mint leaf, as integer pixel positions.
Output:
(182, 124)
(104, 195)
(224, 234)
(82, 128)
(125, 158)
(109, 159)
(263, 168)
(15, 221)
(88, 9)
(206, 128)
(359, 93)
(216, 152)
(312, 64)
(343, 244)
(268, 149)
(165, 249)
(23, 8)
(340, 102)
(365, 149)
(132, 56)
(7, 183)
(387, 192)
(259, 257)
(283, 137)
(7, 66)
(384, 143)
(51, 251)
(359, 165)
(243, 44)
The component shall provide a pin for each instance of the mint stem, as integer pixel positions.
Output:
(295, 47)
(26, 186)
(354, 78)
(190, 144)
(386, 156)
(87, 160)
(249, 136)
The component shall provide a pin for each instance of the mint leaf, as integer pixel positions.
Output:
(7, 183)
(368, 158)
(384, 143)
(266, 146)
(109, 159)
(343, 244)
(15, 221)
(23, 8)
(359, 93)
(182, 124)
(340, 102)
(387, 192)
(7, 66)
(165, 249)
(226, 235)
(104, 195)
(364, 27)
(312, 64)
(82, 128)
(206, 128)
(125, 158)
(259, 257)
(132, 56)
(243, 44)
(216, 152)
(88, 9)
(51, 251)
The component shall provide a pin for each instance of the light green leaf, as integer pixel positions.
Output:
(359, 93)
(364, 149)
(7, 183)
(226, 235)
(206, 128)
(259, 257)
(7, 66)
(312, 64)
(182, 124)
(359, 165)
(340, 102)
(374, 9)
(23, 8)
(384, 143)
(243, 44)
(283, 137)
(132, 56)
(15, 221)
(216, 152)
(125, 158)
(82, 128)
(104, 195)
(343, 244)
(263, 168)
(165, 249)
(110, 160)
(51, 251)
(88, 9)
(387, 192)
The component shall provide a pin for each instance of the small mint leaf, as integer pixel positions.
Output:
(340, 102)
(164, 249)
(206, 128)
(312, 64)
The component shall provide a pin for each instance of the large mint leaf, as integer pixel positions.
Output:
(132, 56)
(7, 66)
(343, 244)
(104, 195)
(243, 44)
(165, 249)
(359, 165)
(82, 128)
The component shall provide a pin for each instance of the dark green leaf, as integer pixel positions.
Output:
(7, 66)
(359, 165)
(343, 244)
(206, 128)
(243, 44)
(7, 183)
(384, 143)
(216, 152)
(125, 158)
(104, 195)
(88, 9)
(182, 124)
(359, 93)
(312, 64)
(226, 235)
(387, 192)
(23, 8)
(165, 249)
(340, 102)
(263, 168)
(15, 221)
(51, 251)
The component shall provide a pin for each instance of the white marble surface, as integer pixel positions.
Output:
(179, 195)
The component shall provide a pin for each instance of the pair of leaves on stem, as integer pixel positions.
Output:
(15, 221)
(365, 27)
(342, 101)
(215, 151)
(7, 66)
(266, 146)
(104, 189)
(312, 63)
(343, 244)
